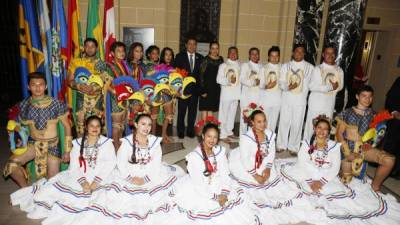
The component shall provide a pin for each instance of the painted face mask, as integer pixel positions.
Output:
(176, 82)
(124, 87)
(189, 85)
(377, 129)
(162, 94)
(162, 76)
(82, 75)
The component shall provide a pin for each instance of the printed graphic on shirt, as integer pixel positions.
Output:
(296, 77)
(329, 76)
(232, 74)
(271, 76)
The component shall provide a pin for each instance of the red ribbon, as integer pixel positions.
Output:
(259, 156)
(209, 167)
(82, 161)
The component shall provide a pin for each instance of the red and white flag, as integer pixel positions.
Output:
(108, 28)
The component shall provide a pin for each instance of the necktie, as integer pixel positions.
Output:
(191, 62)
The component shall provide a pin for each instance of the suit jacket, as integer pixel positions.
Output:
(182, 62)
(393, 97)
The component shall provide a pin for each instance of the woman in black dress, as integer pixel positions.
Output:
(209, 88)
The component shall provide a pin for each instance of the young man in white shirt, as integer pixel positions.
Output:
(228, 78)
(294, 80)
(326, 81)
(270, 93)
(250, 73)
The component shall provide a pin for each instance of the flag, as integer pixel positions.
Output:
(108, 28)
(94, 28)
(58, 48)
(74, 40)
(30, 47)
(45, 35)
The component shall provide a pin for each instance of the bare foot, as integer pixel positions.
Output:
(376, 189)
(226, 140)
(166, 139)
(292, 153)
(233, 137)
(280, 150)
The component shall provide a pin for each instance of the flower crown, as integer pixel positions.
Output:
(209, 119)
(249, 110)
(321, 117)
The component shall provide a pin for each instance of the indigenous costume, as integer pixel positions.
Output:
(356, 127)
(116, 69)
(293, 103)
(322, 97)
(230, 95)
(62, 195)
(89, 72)
(41, 118)
(196, 194)
(137, 70)
(273, 200)
(249, 73)
(335, 202)
(270, 99)
(122, 202)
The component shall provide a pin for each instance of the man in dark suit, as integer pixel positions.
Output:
(190, 61)
(392, 137)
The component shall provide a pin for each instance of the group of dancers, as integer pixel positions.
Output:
(113, 179)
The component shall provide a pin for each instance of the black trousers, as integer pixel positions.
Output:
(392, 141)
(190, 106)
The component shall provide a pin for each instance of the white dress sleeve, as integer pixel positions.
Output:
(74, 165)
(224, 173)
(269, 160)
(154, 166)
(305, 163)
(316, 84)
(262, 78)
(243, 76)
(334, 158)
(196, 168)
(309, 69)
(221, 78)
(106, 161)
(247, 154)
(123, 157)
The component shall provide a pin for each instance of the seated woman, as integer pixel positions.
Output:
(139, 193)
(316, 175)
(92, 160)
(207, 195)
(252, 166)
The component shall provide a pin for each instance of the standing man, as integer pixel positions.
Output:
(270, 93)
(250, 73)
(190, 61)
(326, 82)
(84, 78)
(41, 114)
(294, 81)
(228, 78)
(392, 137)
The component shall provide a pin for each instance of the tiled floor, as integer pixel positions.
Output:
(173, 154)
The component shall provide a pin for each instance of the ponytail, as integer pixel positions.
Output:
(82, 161)
(133, 156)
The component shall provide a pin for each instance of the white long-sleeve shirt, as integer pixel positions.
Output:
(249, 72)
(300, 73)
(322, 94)
(229, 91)
(98, 165)
(270, 97)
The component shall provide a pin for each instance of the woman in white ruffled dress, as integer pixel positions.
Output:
(92, 160)
(252, 166)
(139, 192)
(316, 175)
(207, 195)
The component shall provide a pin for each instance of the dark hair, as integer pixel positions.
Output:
(190, 38)
(365, 88)
(132, 49)
(312, 139)
(330, 45)
(85, 133)
(298, 45)
(162, 55)
(133, 156)
(274, 49)
(37, 75)
(117, 44)
(91, 40)
(213, 42)
(254, 113)
(150, 49)
(254, 49)
(232, 48)
(207, 127)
